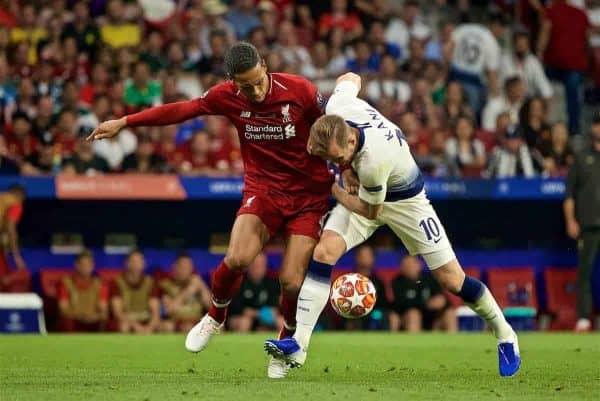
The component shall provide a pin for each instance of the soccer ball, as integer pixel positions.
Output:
(352, 296)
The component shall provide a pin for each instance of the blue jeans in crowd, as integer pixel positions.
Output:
(573, 82)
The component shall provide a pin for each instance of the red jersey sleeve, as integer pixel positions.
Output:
(15, 212)
(173, 113)
(314, 104)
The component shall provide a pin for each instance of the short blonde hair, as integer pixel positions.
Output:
(325, 130)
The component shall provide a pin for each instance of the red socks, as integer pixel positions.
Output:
(225, 285)
(288, 310)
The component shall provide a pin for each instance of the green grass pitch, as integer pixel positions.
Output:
(347, 366)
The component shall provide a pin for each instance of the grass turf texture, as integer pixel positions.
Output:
(348, 366)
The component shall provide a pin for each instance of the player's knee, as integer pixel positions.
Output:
(290, 282)
(325, 254)
(238, 260)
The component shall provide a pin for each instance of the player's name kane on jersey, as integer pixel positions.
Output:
(273, 134)
(383, 162)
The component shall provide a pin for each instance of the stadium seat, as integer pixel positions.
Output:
(513, 287)
(107, 275)
(561, 297)
(515, 291)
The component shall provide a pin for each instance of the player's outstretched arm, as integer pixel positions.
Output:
(167, 114)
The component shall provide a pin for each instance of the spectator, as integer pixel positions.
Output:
(465, 150)
(419, 301)
(117, 32)
(320, 70)
(338, 58)
(213, 66)
(339, 17)
(363, 63)
(364, 261)
(441, 49)
(20, 140)
(7, 164)
(380, 44)
(144, 159)
(84, 161)
(533, 125)
(475, 63)
(99, 84)
(255, 306)
(557, 153)
(513, 99)
(214, 11)
(46, 160)
(47, 84)
(289, 48)
(512, 158)
(28, 31)
(305, 26)
(455, 105)
(582, 218)
(436, 162)
(83, 298)
(83, 29)
(153, 55)
(522, 63)
(66, 131)
(8, 91)
(422, 105)
(26, 97)
(243, 17)
(386, 84)
(563, 46)
(409, 24)
(44, 119)
(416, 136)
(185, 296)
(414, 66)
(11, 210)
(198, 161)
(134, 298)
(142, 90)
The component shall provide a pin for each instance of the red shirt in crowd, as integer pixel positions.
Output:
(348, 22)
(273, 134)
(567, 46)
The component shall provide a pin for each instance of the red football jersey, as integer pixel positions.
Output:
(273, 134)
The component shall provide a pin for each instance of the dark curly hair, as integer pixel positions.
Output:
(241, 57)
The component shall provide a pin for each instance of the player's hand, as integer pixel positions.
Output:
(350, 180)
(108, 129)
(573, 229)
(336, 190)
(352, 77)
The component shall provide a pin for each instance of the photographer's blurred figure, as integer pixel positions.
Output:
(255, 307)
(11, 210)
(364, 261)
(83, 298)
(419, 300)
(185, 296)
(582, 218)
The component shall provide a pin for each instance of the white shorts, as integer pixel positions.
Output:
(413, 220)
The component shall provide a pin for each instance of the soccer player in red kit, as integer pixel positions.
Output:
(284, 187)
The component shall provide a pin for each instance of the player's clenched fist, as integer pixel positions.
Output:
(108, 129)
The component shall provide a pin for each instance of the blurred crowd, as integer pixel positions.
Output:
(132, 301)
(480, 88)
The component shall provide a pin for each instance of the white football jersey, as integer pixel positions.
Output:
(476, 50)
(384, 165)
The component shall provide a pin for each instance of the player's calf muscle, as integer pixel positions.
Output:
(450, 276)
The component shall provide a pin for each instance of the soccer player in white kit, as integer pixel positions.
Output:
(390, 192)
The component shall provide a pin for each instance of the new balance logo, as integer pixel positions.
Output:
(245, 114)
(290, 131)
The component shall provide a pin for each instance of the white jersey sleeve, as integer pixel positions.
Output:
(344, 102)
(373, 183)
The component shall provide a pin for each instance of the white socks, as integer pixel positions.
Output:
(312, 299)
(487, 308)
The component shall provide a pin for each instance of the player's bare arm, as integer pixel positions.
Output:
(355, 204)
(350, 77)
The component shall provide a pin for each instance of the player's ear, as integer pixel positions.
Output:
(263, 64)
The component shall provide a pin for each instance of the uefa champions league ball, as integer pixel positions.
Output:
(352, 295)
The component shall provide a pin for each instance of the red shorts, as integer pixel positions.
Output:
(296, 214)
